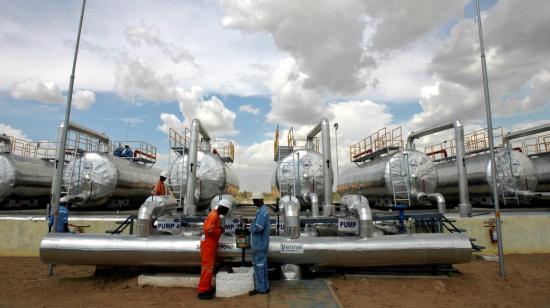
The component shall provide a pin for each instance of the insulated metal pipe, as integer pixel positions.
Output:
(358, 205)
(464, 207)
(324, 127)
(291, 212)
(314, 200)
(190, 208)
(439, 200)
(152, 206)
(162, 250)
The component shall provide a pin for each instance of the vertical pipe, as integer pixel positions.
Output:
(63, 129)
(327, 171)
(62, 137)
(464, 207)
(491, 143)
(190, 208)
(324, 128)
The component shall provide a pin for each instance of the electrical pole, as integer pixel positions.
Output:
(491, 144)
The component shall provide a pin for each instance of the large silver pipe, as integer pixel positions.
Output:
(406, 249)
(314, 200)
(291, 214)
(324, 127)
(7, 143)
(153, 206)
(464, 207)
(525, 132)
(190, 208)
(438, 198)
(358, 205)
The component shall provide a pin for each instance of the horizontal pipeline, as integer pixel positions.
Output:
(389, 250)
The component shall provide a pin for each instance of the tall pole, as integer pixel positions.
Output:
(336, 145)
(62, 138)
(491, 143)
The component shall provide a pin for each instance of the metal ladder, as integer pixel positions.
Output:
(294, 174)
(404, 176)
(505, 178)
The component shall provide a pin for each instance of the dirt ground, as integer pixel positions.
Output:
(23, 283)
(478, 285)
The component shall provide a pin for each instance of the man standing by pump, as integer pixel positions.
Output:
(260, 231)
(211, 232)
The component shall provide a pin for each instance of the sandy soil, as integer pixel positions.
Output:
(479, 285)
(23, 283)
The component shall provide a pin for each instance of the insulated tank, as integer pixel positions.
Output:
(98, 177)
(542, 167)
(373, 179)
(478, 169)
(24, 177)
(214, 177)
(303, 168)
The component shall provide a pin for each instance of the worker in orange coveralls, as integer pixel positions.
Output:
(212, 230)
(160, 188)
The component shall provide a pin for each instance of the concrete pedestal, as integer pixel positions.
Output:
(170, 280)
(234, 284)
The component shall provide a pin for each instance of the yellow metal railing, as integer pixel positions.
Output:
(224, 148)
(476, 141)
(381, 139)
(43, 149)
(533, 145)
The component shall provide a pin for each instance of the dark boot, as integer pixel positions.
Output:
(206, 296)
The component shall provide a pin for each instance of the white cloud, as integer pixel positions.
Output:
(50, 93)
(254, 165)
(170, 121)
(325, 41)
(35, 89)
(134, 78)
(150, 35)
(335, 43)
(83, 99)
(215, 117)
(519, 77)
(249, 109)
(292, 103)
(13, 132)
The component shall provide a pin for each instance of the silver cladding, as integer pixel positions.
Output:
(478, 169)
(100, 176)
(373, 179)
(24, 177)
(303, 168)
(212, 174)
(406, 249)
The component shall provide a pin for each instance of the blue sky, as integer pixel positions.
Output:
(363, 66)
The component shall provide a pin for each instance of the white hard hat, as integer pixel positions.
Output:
(225, 203)
(257, 195)
(64, 199)
(164, 174)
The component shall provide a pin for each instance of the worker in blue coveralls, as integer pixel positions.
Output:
(62, 217)
(127, 152)
(260, 230)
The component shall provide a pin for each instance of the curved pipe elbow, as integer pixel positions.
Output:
(358, 205)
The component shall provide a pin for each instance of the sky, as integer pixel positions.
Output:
(245, 67)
